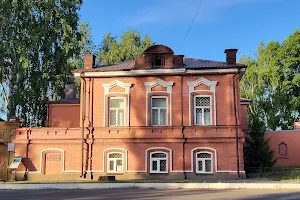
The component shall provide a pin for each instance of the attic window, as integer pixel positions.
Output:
(158, 61)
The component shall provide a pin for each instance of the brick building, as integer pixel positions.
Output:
(158, 116)
(285, 146)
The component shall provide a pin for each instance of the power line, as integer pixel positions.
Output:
(190, 26)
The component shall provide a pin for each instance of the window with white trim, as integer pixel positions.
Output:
(159, 111)
(115, 162)
(158, 162)
(203, 162)
(202, 110)
(116, 111)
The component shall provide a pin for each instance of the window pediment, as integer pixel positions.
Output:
(157, 82)
(211, 84)
(108, 86)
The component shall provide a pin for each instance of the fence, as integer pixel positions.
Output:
(276, 173)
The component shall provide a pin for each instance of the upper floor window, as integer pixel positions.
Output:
(158, 162)
(115, 162)
(116, 111)
(158, 61)
(202, 110)
(159, 111)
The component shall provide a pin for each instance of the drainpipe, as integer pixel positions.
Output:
(236, 123)
(182, 130)
(83, 173)
(25, 178)
(92, 130)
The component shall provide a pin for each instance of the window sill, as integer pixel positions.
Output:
(114, 173)
(204, 173)
(203, 125)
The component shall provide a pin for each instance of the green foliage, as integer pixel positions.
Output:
(41, 43)
(131, 45)
(272, 81)
(257, 149)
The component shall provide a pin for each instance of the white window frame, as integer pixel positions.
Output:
(115, 162)
(158, 163)
(210, 107)
(203, 163)
(109, 108)
(159, 108)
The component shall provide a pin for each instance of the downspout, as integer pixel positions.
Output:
(182, 130)
(236, 123)
(28, 132)
(91, 128)
(87, 161)
(92, 122)
(83, 174)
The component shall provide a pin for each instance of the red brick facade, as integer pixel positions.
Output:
(175, 148)
(285, 146)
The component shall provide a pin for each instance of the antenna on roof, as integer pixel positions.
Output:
(190, 26)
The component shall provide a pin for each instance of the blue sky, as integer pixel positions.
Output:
(220, 24)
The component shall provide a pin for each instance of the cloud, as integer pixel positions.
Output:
(172, 11)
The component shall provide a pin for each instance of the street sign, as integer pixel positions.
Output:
(11, 147)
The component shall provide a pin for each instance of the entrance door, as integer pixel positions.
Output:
(52, 162)
(3, 162)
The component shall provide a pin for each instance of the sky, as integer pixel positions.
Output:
(220, 24)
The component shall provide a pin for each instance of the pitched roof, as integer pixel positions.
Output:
(189, 63)
(65, 101)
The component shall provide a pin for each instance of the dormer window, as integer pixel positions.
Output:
(158, 61)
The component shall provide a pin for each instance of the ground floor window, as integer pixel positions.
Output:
(158, 162)
(203, 162)
(115, 162)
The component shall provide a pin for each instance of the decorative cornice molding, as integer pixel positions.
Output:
(212, 88)
(150, 85)
(193, 84)
(157, 82)
(114, 83)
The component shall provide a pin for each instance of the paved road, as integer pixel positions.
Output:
(146, 194)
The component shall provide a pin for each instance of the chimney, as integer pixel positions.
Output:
(70, 90)
(297, 125)
(231, 56)
(88, 61)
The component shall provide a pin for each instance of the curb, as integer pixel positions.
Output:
(87, 186)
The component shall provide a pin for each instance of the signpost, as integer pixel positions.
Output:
(11, 147)
(15, 164)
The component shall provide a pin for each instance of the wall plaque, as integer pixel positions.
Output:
(53, 156)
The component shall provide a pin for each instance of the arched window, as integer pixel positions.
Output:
(158, 61)
(158, 162)
(282, 148)
(115, 162)
(204, 162)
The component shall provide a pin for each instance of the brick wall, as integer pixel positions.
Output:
(63, 115)
(137, 141)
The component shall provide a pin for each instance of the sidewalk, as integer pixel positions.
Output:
(239, 184)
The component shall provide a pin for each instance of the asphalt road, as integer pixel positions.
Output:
(146, 194)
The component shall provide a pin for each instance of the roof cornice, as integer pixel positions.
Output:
(156, 72)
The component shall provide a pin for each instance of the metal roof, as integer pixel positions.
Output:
(189, 63)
